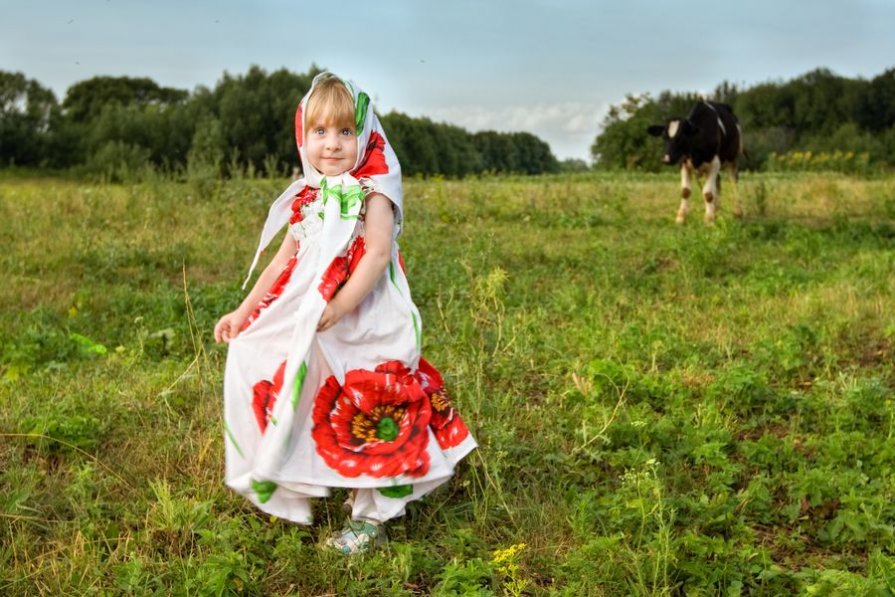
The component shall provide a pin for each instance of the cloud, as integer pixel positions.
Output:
(569, 117)
(569, 127)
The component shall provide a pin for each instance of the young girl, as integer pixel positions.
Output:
(325, 386)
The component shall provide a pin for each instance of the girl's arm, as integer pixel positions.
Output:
(228, 326)
(379, 224)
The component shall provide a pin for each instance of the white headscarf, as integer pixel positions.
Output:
(375, 170)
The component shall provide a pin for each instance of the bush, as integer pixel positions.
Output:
(117, 161)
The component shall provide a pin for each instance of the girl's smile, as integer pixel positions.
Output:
(332, 149)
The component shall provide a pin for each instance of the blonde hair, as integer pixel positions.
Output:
(331, 104)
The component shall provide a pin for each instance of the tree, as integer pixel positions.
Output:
(85, 100)
(257, 113)
(119, 125)
(499, 153)
(876, 110)
(624, 143)
(27, 113)
(534, 154)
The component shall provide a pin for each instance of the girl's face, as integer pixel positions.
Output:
(332, 150)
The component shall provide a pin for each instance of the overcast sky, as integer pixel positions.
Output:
(548, 67)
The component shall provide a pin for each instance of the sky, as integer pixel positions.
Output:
(552, 68)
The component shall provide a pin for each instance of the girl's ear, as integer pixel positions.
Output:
(298, 127)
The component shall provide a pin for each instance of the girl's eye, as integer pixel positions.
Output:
(347, 131)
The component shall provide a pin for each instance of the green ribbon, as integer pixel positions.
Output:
(349, 198)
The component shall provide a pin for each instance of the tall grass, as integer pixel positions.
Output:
(661, 409)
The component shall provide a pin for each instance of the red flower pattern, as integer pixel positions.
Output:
(341, 268)
(264, 396)
(448, 427)
(305, 196)
(276, 289)
(376, 424)
(374, 158)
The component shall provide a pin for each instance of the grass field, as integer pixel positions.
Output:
(661, 409)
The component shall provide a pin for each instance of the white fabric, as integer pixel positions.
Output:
(388, 184)
(280, 466)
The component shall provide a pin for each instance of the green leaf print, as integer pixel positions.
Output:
(396, 491)
(233, 439)
(360, 113)
(264, 489)
(391, 274)
(350, 201)
(416, 329)
(299, 382)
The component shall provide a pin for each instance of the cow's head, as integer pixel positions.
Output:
(677, 134)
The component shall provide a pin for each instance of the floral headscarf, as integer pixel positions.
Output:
(376, 169)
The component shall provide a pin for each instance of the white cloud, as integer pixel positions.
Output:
(569, 127)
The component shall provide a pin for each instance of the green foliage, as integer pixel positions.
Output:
(85, 100)
(426, 147)
(470, 577)
(876, 111)
(28, 114)
(573, 165)
(837, 161)
(63, 431)
(113, 126)
(118, 161)
(819, 112)
(514, 152)
(661, 410)
(623, 142)
(257, 114)
(206, 155)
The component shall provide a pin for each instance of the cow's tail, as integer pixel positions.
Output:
(742, 148)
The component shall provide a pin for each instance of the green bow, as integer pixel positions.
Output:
(349, 198)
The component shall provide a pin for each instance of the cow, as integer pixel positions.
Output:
(702, 143)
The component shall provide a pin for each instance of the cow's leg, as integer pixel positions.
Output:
(734, 176)
(710, 189)
(684, 209)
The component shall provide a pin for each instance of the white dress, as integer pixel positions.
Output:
(365, 411)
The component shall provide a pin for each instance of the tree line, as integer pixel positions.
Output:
(113, 125)
(817, 114)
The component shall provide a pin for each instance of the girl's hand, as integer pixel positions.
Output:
(331, 315)
(228, 326)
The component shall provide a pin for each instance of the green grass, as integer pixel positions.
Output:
(661, 409)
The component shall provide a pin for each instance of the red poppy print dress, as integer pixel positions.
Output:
(355, 406)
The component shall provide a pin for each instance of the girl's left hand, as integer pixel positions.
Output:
(331, 315)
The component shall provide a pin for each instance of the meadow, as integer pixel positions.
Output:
(661, 409)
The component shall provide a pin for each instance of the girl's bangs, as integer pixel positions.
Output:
(331, 104)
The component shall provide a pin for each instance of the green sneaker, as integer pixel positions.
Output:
(359, 536)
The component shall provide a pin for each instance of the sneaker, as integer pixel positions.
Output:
(359, 536)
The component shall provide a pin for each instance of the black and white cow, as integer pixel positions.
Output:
(702, 143)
